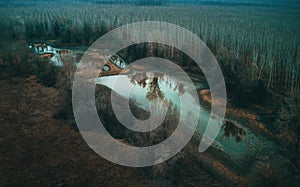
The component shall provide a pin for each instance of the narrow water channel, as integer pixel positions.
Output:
(149, 85)
(146, 86)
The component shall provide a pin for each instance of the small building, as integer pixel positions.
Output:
(116, 60)
(41, 47)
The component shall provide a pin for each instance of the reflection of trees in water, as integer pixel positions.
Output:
(151, 82)
(139, 78)
(154, 90)
(143, 80)
(180, 89)
(178, 86)
(230, 129)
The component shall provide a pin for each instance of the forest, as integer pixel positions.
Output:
(257, 46)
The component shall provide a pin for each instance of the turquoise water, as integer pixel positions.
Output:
(169, 87)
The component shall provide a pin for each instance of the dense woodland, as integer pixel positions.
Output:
(264, 41)
(257, 47)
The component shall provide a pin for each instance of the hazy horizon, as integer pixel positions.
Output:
(169, 2)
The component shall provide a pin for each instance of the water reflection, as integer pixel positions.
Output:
(231, 129)
(165, 90)
(152, 83)
(154, 90)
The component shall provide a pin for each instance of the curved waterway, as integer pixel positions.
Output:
(146, 86)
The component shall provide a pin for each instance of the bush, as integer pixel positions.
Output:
(46, 73)
(64, 85)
